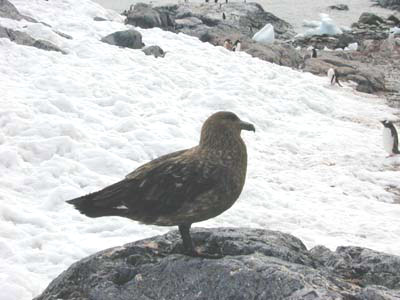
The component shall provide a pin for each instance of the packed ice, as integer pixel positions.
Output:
(265, 35)
(325, 26)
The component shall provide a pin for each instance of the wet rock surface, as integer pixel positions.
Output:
(256, 264)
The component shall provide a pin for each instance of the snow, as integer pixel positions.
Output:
(265, 35)
(394, 31)
(352, 47)
(324, 26)
(73, 124)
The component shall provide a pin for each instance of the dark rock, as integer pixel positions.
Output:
(156, 51)
(394, 19)
(278, 53)
(128, 38)
(322, 41)
(370, 19)
(64, 35)
(99, 19)
(145, 16)
(45, 45)
(361, 265)
(8, 10)
(391, 4)
(23, 38)
(243, 19)
(257, 264)
(339, 7)
(16, 36)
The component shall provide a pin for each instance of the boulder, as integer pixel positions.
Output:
(395, 20)
(339, 7)
(256, 264)
(127, 38)
(8, 10)
(156, 51)
(144, 16)
(370, 19)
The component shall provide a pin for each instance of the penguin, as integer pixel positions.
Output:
(223, 16)
(228, 44)
(314, 53)
(226, 1)
(333, 77)
(237, 46)
(216, 1)
(390, 138)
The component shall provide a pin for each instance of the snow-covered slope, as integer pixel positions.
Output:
(72, 124)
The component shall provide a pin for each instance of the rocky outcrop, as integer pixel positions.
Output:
(198, 19)
(205, 21)
(256, 264)
(394, 20)
(369, 79)
(154, 50)
(8, 10)
(127, 38)
(279, 53)
(339, 7)
(369, 27)
(391, 4)
(370, 19)
(23, 38)
(371, 65)
(145, 16)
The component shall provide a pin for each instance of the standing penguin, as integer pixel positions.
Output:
(390, 138)
(237, 46)
(314, 53)
(228, 44)
(223, 16)
(333, 77)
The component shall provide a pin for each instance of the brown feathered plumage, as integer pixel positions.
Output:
(183, 187)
